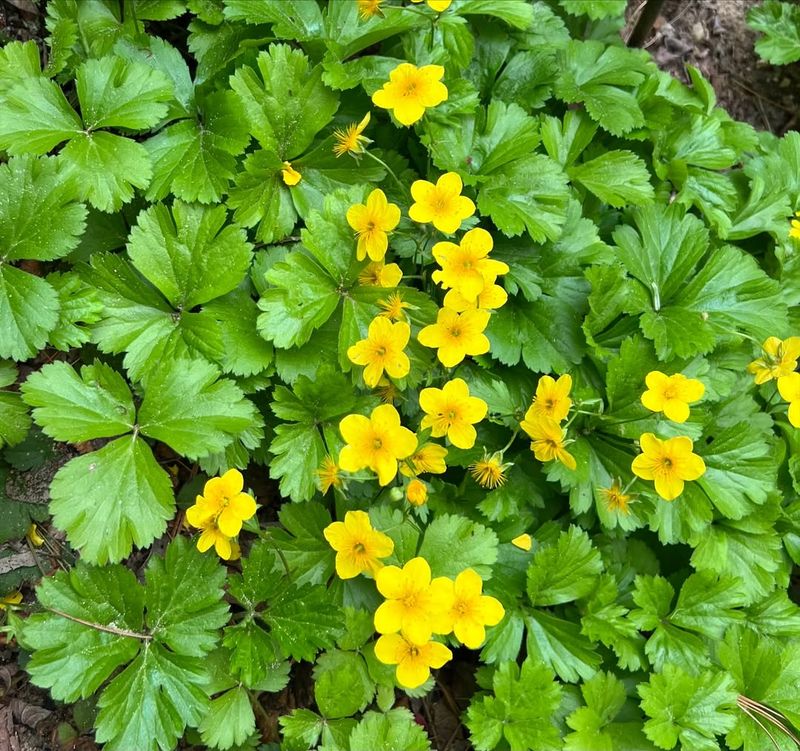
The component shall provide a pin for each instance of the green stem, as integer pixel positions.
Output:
(380, 161)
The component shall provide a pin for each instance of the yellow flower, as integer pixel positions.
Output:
(492, 297)
(290, 175)
(417, 492)
(212, 535)
(451, 411)
(547, 440)
(414, 604)
(471, 610)
(794, 231)
(668, 463)
(35, 538)
(427, 458)
(413, 661)
(376, 442)
(15, 598)
(222, 503)
(671, 394)
(372, 221)
(789, 388)
(456, 335)
(466, 267)
(369, 8)
(411, 90)
(382, 350)
(779, 359)
(437, 5)
(615, 499)
(380, 274)
(393, 307)
(442, 204)
(358, 546)
(552, 398)
(328, 474)
(523, 542)
(350, 140)
(489, 471)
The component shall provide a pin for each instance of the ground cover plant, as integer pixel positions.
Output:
(506, 315)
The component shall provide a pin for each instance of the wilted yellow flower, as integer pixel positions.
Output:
(382, 350)
(372, 221)
(376, 442)
(671, 394)
(456, 335)
(350, 140)
(779, 359)
(471, 610)
(290, 175)
(441, 204)
(380, 274)
(668, 463)
(411, 90)
(451, 411)
(489, 471)
(417, 492)
(615, 499)
(393, 307)
(328, 474)
(789, 388)
(548, 439)
(358, 546)
(414, 661)
(466, 267)
(523, 542)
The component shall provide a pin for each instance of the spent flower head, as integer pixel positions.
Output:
(615, 499)
(489, 471)
(350, 140)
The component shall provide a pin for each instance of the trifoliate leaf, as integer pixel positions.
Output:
(342, 685)
(39, 218)
(111, 499)
(73, 408)
(564, 571)
(187, 406)
(688, 709)
(288, 104)
(195, 159)
(79, 305)
(519, 711)
(452, 543)
(189, 253)
(260, 197)
(605, 79)
(395, 729)
(531, 195)
(298, 445)
(28, 313)
(780, 24)
(229, 720)
(620, 178)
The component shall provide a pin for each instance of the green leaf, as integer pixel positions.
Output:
(299, 537)
(342, 685)
(452, 543)
(560, 644)
(780, 24)
(111, 499)
(39, 218)
(595, 9)
(688, 709)
(531, 195)
(706, 604)
(28, 313)
(528, 77)
(117, 93)
(291, 19)
(564, 571)
(73, 408)
(229, 720)
(605, 79)
(261, 198)
(288, 104)
(520, 709)
(619, 178)
(516, 13)
(187, 406)
(189, 253)
(107, 168)
(79, 305)
(195, 159)
(18, 60)
(395, 729)
(14, 418)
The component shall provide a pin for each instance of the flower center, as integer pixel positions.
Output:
(410, 88)
(359, 548)
(461, 608)
(667, 463)
(451, 414)
(413, 651)
(377, 443)
(410, 600)
(455, 332)
(380, 351)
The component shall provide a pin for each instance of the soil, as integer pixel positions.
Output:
(709, 34)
